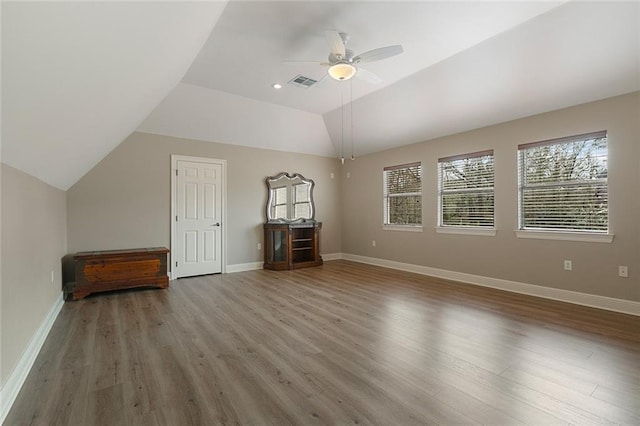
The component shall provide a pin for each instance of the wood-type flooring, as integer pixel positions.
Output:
(344, 343)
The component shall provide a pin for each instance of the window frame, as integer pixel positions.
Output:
(559, 233)
(471, 229)
(386, 224)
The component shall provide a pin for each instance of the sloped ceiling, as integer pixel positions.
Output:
(574, 54)
(466, 65)
(256, 43)
(78, 78)
(205, 114)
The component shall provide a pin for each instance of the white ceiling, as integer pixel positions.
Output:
(78, 78)
(258, 43)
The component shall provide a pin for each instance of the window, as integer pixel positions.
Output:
(563, 184)
(465, 186)
(403, 195)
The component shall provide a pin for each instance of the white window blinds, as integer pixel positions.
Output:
(563, 184)
(466, 194)
(403, 194)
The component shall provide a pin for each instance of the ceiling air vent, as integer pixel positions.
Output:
(302, 81)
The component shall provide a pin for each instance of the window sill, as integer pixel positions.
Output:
(404, 228)
(466, 230)
(565, 236)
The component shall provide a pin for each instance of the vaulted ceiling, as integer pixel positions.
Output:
(78, 78)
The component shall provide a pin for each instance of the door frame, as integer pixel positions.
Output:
(174, 171)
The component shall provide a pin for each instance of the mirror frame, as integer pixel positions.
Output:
(270, 191)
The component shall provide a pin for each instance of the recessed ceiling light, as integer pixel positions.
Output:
(276, 86)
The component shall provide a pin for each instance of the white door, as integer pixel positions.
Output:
(198, 218)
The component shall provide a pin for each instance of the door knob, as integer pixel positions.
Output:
(216, 224)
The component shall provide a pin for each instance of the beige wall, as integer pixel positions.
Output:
(124, 202)
(504, 256)
(33, 242)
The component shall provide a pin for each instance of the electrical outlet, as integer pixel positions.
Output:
(332, 175)
(259, 246)
(568, 266)
(373, 243)
(623, 271)
(348, 175)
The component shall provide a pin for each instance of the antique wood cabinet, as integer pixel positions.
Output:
(96, 271)
(292, 245)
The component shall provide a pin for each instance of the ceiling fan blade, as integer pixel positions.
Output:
(378, 54)
(368, 76)
(336, 45)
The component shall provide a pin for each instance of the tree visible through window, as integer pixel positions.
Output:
(563, 184)
(465, 184)
(403, 194)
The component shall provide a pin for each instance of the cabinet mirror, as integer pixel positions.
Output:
(289, 198)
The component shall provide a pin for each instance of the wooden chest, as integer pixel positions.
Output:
(96, 271)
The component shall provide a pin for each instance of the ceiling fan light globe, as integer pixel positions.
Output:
(342, 71)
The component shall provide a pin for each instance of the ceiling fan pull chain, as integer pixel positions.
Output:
(351, 110)
(342, 124)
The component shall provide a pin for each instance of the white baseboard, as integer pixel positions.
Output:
(241, 267)
(331, 256)
(16, 379)
(252, 266)
(592, 300)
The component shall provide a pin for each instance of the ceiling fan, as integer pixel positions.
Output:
(343, 64)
